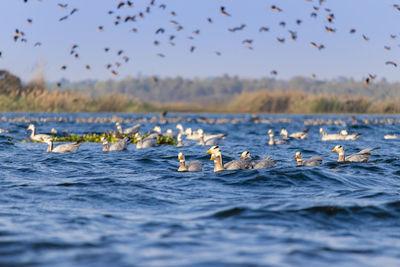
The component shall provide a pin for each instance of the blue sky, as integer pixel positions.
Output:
(345, 54)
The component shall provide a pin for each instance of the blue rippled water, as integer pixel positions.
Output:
(133, 208)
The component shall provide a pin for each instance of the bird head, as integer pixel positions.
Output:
(283, 132)
(213, 150)
(298, 155)
(339, 149)
(181, 157)
(157, 129)
(31, 127)
(245, 154)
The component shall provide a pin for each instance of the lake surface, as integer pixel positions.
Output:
(132, 207)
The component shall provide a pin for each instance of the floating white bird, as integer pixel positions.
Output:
(211, 141)
(145, 143)
(120, 145)
(342, 135)
(272, 141)
(190, 135)
(216, 155)
(179, 139)
(130, 130)
(298, 135)
(190, 166)
(390, 136)
(38, 137)
(64, 148)
(313, 161)
(361, 156)
(266, 162)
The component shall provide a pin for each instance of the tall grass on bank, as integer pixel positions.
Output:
(34, 97)
(266, 101)
(250, 102)
(70, 101)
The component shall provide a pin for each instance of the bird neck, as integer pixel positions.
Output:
(218, 165)
(179, 143)
(299, 162)
(271, 141)
(33, 132)
(182, 166)
(202, 141)
(105, 147)
(138, 143)
(119, 129)
(341, 157)
(50, 147)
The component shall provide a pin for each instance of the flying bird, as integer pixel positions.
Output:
(275, 8)
(222, 10)
(160, 30)
(330, 30)
(391, 63)
(63, 18)
(63, 5)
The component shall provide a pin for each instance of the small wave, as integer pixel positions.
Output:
(229, 212)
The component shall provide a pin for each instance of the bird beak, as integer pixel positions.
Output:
(179, 157)
(296, 157)
(241, 156)
(208, 151)
(212, 157)
(334, 150)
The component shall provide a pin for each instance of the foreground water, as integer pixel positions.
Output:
(133, 208)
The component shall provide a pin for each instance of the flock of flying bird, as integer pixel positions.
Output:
(317, 11)
(243, 163)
